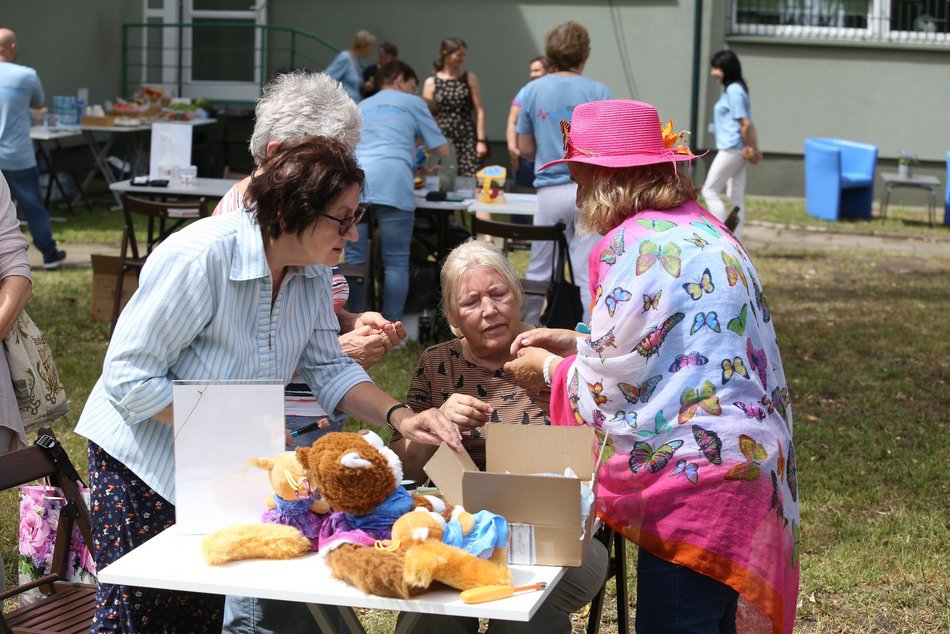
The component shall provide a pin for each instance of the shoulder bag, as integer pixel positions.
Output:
(39, 391)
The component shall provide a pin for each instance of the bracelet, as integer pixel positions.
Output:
(482, 141)
(546, 369)
(389, 414)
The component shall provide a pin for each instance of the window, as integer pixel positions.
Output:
(899, 21)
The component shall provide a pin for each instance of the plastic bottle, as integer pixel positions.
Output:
(452, 172)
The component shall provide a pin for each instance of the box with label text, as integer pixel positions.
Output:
(548, 524)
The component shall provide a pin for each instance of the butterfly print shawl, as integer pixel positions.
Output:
(683, 372)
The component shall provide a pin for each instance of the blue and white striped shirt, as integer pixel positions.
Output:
(203, 312)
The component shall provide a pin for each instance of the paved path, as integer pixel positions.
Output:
(759, 235)
(77, 254)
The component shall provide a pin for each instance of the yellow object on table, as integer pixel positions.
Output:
(492, 178)
(493, 593)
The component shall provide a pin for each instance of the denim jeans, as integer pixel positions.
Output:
(249, 615)
(395, 234)
(294, 423)
(673, 598)
(25, 187)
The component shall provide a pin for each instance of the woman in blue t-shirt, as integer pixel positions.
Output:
(736, 142)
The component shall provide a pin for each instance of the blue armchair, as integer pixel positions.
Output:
(839, 178)
(946, 208)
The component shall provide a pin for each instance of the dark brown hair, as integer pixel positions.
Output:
(449, 45)
(391, 72)
(295, 184)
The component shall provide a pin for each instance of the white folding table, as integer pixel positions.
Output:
(43, 134)
(101, 153)
(172, 561)
(514, 205)
(211, 188)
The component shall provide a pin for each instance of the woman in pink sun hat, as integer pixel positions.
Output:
(682, 372)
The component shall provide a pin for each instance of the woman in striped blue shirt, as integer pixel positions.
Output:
(243, 296)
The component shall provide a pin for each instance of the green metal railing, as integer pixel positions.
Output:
(215, 51)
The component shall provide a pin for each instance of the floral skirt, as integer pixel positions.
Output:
(125, 514)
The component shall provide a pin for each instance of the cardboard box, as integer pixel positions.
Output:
(105, 121)
(543, 513)
(105, 271)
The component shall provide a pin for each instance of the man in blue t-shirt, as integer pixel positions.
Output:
(20, 90)
(546, 102)
(393, 119)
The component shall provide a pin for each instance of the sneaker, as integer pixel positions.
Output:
(55, 261)
(732, 221)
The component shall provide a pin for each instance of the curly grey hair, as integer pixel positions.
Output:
(299, 104)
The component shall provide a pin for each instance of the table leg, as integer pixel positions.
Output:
(328, 627)
(933, 207)
(407, 623)
(99, 154)
(885, 201)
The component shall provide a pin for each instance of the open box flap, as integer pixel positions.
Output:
(446, 468)
(531, 449)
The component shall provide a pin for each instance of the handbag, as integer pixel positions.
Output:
(39, 391)
(40, 506)
(562, 308)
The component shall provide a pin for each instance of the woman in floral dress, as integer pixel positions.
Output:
(455, 98)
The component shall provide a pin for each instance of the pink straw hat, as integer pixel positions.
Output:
(618, 134)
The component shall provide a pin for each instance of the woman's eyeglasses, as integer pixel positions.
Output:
(347, 223)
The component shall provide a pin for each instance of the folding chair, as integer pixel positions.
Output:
(616, 568)
(509, 231)
(164, 218)
(67, 607)
(235, 174)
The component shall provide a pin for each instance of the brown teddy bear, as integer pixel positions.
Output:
(360, 478)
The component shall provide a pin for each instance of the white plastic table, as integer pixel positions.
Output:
(101, 153)
(173, 561)
(206, 187)
(43, 134)
(515, 205)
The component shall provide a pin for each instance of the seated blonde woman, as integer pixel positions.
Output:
(482, 301)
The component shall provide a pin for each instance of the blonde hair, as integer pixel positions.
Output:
(614, 194)
(469, 255)
(363, 38)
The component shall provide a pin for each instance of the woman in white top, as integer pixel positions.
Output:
(736, 141)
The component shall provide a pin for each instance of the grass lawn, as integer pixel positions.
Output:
(865, 340)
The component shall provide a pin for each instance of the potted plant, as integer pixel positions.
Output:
(905, 164)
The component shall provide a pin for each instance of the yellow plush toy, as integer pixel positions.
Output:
(428, 559)
(291, 525)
